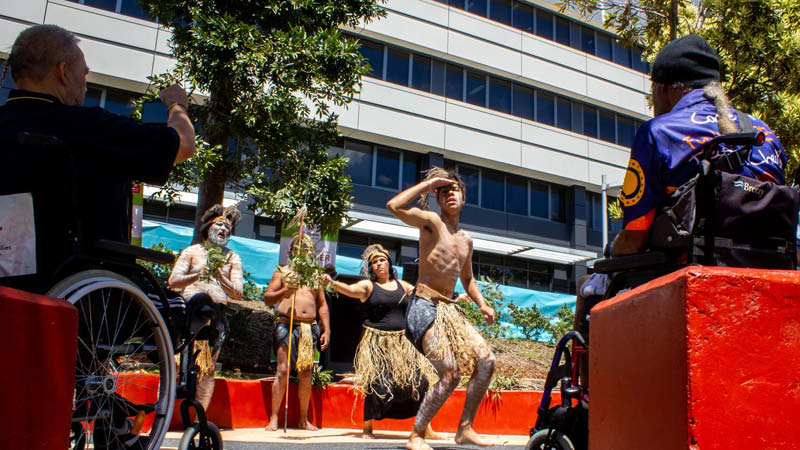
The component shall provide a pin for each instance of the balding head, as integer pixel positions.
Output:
(46, 58)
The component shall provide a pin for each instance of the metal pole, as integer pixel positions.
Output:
(604, 207)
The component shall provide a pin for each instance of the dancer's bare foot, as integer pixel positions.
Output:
(273, 425)
(367, 435)
(306, 425)
(467, 435)
(432, 435)
(417, 442)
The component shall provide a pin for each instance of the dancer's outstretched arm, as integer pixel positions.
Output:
(360, 290)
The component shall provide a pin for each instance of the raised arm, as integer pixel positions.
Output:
(181, 276)
(473, 290)
(277, 289)
(360, 290)
(324, 319)
(174, 97)
(400, 207)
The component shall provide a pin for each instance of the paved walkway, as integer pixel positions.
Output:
(336, 438)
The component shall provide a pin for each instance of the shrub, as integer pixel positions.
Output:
(320, 379)
(532, 322)
(494, 297)
(562, 323)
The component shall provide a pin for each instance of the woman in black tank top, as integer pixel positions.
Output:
(391, 374)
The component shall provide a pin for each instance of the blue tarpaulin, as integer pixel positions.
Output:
(260, 259)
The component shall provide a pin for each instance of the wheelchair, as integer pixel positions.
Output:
(129, 330)
(697, 225)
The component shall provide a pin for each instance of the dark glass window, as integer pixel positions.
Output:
(93, 95)
(454, 82)
(477, 7)
(359, 166)
(523, 102)
(397, 66)
(500, 10)
(607, 126)
(622, 55)
(545, 108)
(421, 73)
(594, 211)
(544, 24)
(604, 46)
(539, 200)
(119, 102)
(516, 195)
(523, 17)
(437, 78)
(470, 176)
(132, 8)
(562, 31)
(577, 117)
(564, 114)
(456, 3)
(410, 169)
(493, 190)
(387, 168)
(373, 53)
(108, 5)
(476, 88)
(558, 197)
(626, 129)
(587, 40)
(590, 121)
(575, 36)
(636, 61)
(499, 95)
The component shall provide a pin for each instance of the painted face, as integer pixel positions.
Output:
(450, 197)
(219, 233)
(380, 267)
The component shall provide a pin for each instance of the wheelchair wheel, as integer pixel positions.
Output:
(77, 437)
(125, 370)
(558, 441)
(196, 439)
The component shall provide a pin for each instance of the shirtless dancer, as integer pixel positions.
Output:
(308, 304)
(434, 324)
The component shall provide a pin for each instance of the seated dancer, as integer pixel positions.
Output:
(308, 305)
(190, 278)
(391, 374)
(433, 322)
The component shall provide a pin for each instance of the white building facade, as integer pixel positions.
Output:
(530, 106)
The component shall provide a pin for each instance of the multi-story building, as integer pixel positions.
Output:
(532, 107)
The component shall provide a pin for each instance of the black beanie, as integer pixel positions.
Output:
(688, 60)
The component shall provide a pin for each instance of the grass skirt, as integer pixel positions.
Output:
(456, 334)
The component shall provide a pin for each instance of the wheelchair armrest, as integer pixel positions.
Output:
(630, 262)
(145, 254)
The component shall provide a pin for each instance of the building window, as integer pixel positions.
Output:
(476, 89)
(587, 40)
(477, 7)
(410, 169)
(500, 10)
(454, 82)
(594, 211)
(437, 77)
(119, 102)
(359, 166)
(499, 95)
(126, 7)
(626, 130)
(558, 202)
(493, 190)
(397, 66)
(607, 126)
(516, 195)
(421, 74)
(604, 46)
(545, 108)
(562, 31)
(637, 63)
(544, 24)
(523, 17)
(564, 114)
(93, 96)
(523, 102)
(373, 54)
(540, 198)
(471, 178)
(387, 168)
(622, 55)
(590, 121)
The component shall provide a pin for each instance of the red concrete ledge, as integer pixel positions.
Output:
(703, 358)
(246, 404)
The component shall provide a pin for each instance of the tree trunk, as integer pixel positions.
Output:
(673, 21)
(211, 192)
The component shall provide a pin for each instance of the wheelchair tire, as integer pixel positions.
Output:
(195, 439)
(122, 343)
(539, 441)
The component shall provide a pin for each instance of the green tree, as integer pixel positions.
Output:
(757, 41)
(562, 323)
(494, 297)
(532, 322)
(269, 71)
